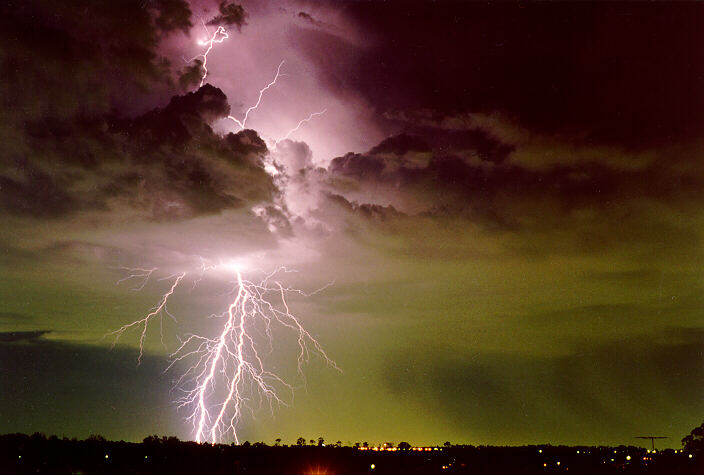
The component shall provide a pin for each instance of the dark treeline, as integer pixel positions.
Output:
(23, 454)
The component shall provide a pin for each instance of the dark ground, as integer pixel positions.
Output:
(22, 454)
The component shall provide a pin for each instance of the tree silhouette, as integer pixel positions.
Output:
(694, 442)
(277, 442)
(301, 441)
(404, 446)
(321, 441)
(151, 440)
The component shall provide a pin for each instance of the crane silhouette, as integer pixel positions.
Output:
(652, 439)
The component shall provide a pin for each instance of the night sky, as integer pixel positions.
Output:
(507, 200)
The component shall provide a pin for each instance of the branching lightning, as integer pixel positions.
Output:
(300, 123)
(156, 311)
(137, 273)
(227, 372)
(243, 122)
(219, 36)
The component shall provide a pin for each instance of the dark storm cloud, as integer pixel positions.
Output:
(166, 164)
(365, 211)
(230, 14)
(339, 63)
(184, 117)
(32, 336)
(307, 17)
(559, 130)
(68, 146)
(60, 58)
(466, 176)
(619, 73)
(67, 143)
(357, 165)
(247, 141)
(582, 198)
(37, 194)
(172, 15)
(191, 75)
(60, 388)
(632, 384)
(400, 145)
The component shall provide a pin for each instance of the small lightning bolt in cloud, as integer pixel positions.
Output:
(227, 372)
(300, 123)
(137, 273)
(219, 36)
(243, 122)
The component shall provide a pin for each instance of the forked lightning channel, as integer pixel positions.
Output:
(226, 373)
(218, 37)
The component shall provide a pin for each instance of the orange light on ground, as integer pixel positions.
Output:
(318, 471)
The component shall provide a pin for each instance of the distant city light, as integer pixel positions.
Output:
(690, 455)
(628, 457)
(372, 466)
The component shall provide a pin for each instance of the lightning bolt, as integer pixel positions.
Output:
(219, 36)
(158, 310)
(227, 369)
(300, 123)
(137, 273)
(243, 122)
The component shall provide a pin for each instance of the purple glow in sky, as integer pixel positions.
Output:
(247, 60)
